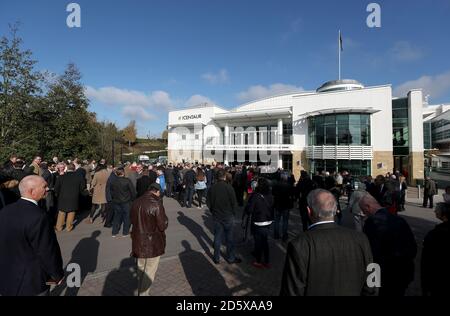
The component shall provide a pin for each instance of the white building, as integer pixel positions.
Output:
(341, 126)
(437, 135)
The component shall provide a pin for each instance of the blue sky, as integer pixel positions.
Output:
(141, 58)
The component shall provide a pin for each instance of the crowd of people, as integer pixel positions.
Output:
(324, 258)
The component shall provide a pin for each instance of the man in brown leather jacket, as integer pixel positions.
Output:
(148, 237)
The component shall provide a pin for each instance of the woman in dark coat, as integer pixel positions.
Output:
(68, 189)
(260, 207)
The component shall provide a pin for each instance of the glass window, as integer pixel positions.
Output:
(330, 135)
(342, 129)
(355, 167)
(400, 103)
(355, 132)
(342, 119)
(330, 119)
(365, 119)
(365, 135)
(354, 119)
(400, 114)
(320, 135)
(343, 135)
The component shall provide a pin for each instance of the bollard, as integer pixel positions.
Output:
(419, 192)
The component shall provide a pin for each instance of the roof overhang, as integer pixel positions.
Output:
(251, 115)
(340, 111)
(186, 124)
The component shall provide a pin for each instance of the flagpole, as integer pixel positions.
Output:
(339, 51)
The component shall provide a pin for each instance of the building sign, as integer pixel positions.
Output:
(190, 117)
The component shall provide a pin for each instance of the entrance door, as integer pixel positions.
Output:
(401, 163)
(287, 162)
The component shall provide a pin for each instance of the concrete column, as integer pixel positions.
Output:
(226, 140)
(280, 131)
(280, 160)
(416, 150)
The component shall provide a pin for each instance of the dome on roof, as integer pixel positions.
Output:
(340, 85)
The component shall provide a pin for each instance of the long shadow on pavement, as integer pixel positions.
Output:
(85, 254)
(420, 227)
(197, 230)
(202, 276)
(122, 281)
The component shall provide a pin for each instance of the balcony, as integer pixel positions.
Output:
(250, 143)
(340, 152)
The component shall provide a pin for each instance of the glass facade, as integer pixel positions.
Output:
(400, 129)
(287, 134)
(355, 167)
(441, 130)
(340, 129)
(427, 143)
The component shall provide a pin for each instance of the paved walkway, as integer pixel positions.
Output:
(187, 268)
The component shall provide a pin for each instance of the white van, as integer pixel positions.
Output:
(143, 159)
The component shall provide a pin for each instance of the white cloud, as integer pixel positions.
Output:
(123, 97)
(197, 99)
(137, 112)
(259, 92)
(217, 78)
(435, 86)
(404, 51)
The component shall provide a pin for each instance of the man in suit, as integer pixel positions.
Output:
(222, 204)
(143, 183)
(29, 251)
(68, 190)
(122, 195)
(327, 259)
(170, 179)
(393, 246)
(378, 189)
(10, 163)
(189, 186)
(304, 187)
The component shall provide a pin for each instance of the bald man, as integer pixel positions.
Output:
(326, 260)
(30, 256)
(393, 246)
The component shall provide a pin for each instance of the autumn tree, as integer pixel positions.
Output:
(129, 133)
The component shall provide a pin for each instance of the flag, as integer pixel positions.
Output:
(340, 42)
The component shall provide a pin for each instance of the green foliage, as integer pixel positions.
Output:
(47, 117)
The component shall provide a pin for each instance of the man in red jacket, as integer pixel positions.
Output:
(148, 236)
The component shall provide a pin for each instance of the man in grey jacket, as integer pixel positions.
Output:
(429, 192)
(222, 203)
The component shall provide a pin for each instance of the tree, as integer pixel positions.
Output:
(107, 133)
(165, 135)
(20, 86)
(77, 129)
(129, 133)
(48, 115)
